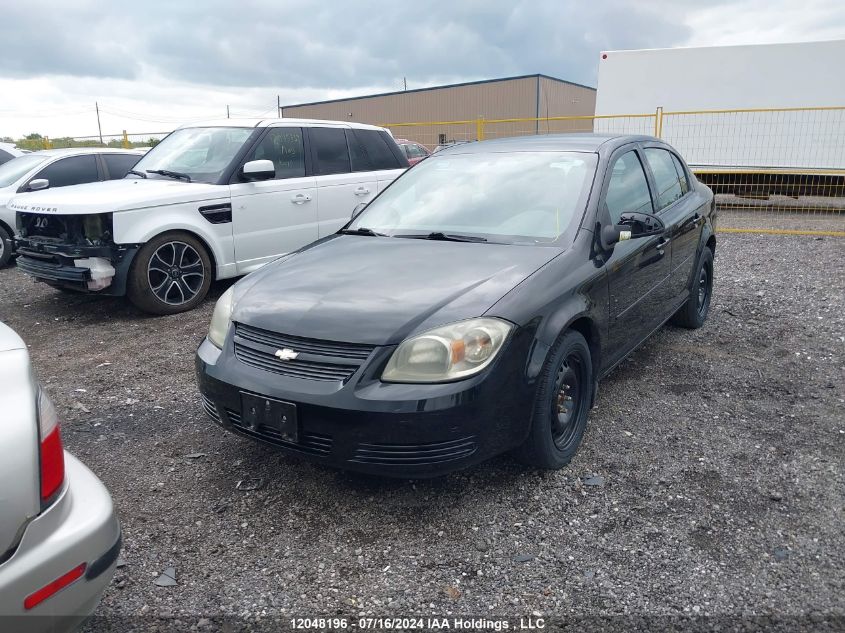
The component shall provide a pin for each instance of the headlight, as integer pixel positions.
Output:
(447, 353)
(221, 318)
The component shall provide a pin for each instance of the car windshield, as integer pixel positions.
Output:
(502, 197)
(200, 153)
(13, 170)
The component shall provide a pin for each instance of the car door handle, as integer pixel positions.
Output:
(663, 243)
(300, 198)
(362, 191)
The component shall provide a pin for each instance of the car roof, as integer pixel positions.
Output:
(575, 142)
(272, 122)
(71, 151)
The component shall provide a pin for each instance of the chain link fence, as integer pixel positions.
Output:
(773, 170)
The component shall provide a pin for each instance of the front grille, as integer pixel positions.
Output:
(311, 443)
(414, 454)
(210, 408)
(317, 360)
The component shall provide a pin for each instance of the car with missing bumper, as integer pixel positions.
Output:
(59, 536)
(52, 169)
(470, 309)
(211, 201)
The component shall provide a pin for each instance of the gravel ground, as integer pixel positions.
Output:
(711, 481)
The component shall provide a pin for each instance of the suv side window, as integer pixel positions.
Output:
(331, 153)
(380, 155)
(665, 176)
(283, 146)
(627, 190)
(75, 170)
(118, 164)
(682, 174)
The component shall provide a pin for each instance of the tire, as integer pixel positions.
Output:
(5, 247)
(693, 313)
(171, 273)
(557, 428)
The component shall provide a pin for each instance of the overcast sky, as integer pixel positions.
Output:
(155, 63)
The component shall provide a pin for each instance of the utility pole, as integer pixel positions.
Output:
(97, 108)
(279, 106)
(227, 112)
(405, 82)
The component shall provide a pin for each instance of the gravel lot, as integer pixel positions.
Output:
(718, 456)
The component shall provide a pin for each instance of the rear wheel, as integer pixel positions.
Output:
(5, 247)
(561, 406)
(693, 313)
(170, 274)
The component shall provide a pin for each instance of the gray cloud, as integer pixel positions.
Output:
(326, 45)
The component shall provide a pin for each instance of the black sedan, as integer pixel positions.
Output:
(470, 309)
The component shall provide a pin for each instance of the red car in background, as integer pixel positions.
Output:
(414, 151)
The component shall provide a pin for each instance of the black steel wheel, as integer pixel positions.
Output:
(694, 312)
(562, 404)
(171, 273)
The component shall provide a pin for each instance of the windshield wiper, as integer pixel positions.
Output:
(170, 174)
(444, 237)
(362, 231)
(137, 173)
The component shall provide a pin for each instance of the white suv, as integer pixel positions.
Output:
(212, 200)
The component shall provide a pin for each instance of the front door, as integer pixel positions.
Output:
(638, 268)
(277, 216)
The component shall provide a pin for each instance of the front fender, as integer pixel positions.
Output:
(141, 225)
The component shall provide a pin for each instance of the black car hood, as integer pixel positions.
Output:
(378, 290)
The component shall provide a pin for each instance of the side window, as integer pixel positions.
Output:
(628, 187)
(682, 175)
(374, 144)
(665, 176)
(283, 146)
(118, 164)
(5, 156)
(70, 171)
(331, 152)
(360, 159)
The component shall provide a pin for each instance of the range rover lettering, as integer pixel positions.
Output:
(470, 309)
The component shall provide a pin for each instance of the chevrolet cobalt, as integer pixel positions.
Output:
(470, 309)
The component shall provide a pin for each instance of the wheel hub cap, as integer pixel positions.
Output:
(175, 273)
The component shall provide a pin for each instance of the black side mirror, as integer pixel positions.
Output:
(631, 226)
(642, 224)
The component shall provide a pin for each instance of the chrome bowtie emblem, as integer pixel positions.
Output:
(286, 354)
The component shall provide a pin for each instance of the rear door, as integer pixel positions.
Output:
(339, 187)
(677, 206)
(637, 269)
(277, 216)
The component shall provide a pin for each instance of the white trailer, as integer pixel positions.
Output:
(766, 106)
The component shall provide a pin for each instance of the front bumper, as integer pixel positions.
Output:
(54, 263)
(365, 425)
(80, 527)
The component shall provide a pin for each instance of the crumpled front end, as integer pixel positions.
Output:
(77, 252)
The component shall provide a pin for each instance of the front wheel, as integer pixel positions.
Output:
(694, 312)
(561, 406)
(5, 247)
(170, 274)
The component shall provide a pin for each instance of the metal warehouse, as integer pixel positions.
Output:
(461, 108)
